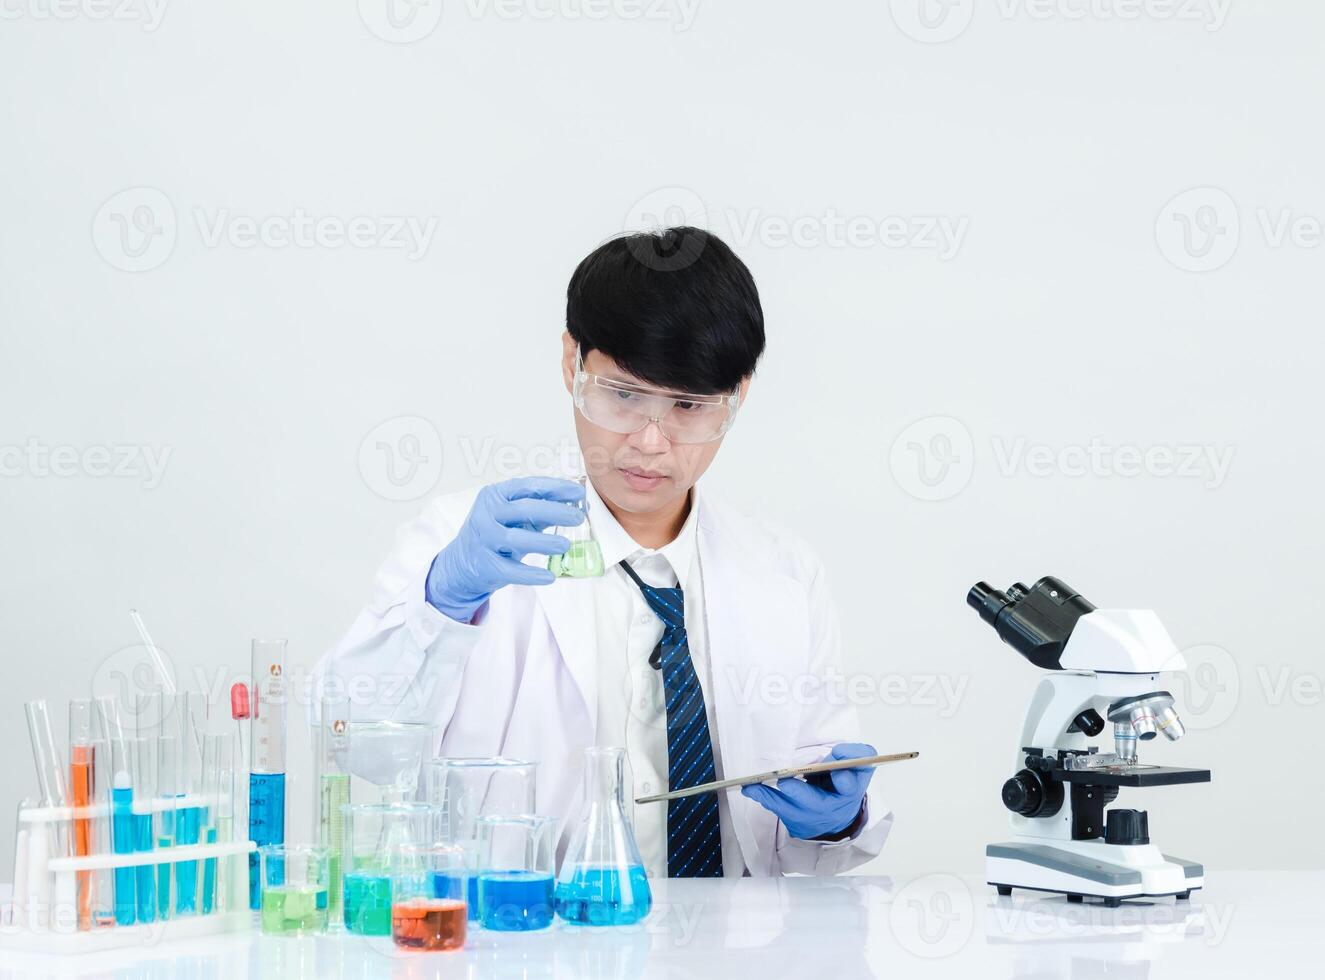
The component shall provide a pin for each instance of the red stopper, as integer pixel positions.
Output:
(239, 701)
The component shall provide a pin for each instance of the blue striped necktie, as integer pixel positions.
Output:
(694, 842)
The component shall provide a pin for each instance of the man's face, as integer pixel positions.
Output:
(641, 472)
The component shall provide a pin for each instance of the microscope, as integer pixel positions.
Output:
(1106, 667)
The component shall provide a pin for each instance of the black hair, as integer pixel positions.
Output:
(675, 308)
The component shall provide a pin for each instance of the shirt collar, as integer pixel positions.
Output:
(616, 544)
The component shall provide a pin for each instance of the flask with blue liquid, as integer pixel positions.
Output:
(602, 880)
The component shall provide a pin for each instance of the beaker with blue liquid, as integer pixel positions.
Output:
(515, 876)
(602, 880)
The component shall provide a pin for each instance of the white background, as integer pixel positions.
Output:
(1071, 310)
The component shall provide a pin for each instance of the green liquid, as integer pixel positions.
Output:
(290, 909)
(368, 904)
(335, 794)
(583, 560)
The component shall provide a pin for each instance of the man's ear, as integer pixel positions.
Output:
(744, 391)
(568, 347)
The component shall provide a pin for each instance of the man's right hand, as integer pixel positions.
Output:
(505, 524)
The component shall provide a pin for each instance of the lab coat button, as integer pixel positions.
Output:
(644, 620)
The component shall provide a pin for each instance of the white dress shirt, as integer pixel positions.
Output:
(631, 705)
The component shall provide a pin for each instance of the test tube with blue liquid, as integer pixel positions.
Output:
(515, 879)
(266, 784)
(144, 753)
(123, 841)
(167, 746)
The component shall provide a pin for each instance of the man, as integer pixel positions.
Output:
(701, 610)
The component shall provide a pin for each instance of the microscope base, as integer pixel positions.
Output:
(1092, 868)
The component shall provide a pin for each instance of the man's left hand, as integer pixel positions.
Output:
(809, 812)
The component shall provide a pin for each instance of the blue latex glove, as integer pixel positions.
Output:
(505, 524)
(808, 811)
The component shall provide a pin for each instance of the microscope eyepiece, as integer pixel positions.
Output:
(1035, 621)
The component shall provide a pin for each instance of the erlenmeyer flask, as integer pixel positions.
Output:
(583, 559)
(602, 880)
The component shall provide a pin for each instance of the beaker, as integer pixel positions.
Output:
(293, 889)
(428, 907)
(584, 558)
(515, 879)
(602, 880)
(465, 789)
(374, 835)
(389, 755)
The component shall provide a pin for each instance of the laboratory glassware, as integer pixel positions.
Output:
(266, 785)
(333, 789)
(158, 661)
(43, 841)
(45, 756)
(81, 798)
(602, 880)
(375, 833)
(143, 752)
(121, 788)
(167, 794)
(515, 876)
(191, 716)
(428, 907)
(584, 557)
(293, 889)
(217, 821)
(465, 789)
(388, 755)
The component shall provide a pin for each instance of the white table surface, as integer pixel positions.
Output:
(1243, 924)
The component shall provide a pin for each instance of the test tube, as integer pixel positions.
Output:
(191, 710)
(217, 759)
(167, 777)
(144, 752)
(333, 791)
(50, 771)
(120, 786)
(41, 841)
(81, 799)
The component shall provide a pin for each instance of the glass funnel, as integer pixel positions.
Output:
(602, 880)
(387, 754)
(584, 558)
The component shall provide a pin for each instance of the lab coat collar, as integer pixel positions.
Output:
(616, 543)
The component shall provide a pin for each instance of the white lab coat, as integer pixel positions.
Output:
(522, 680)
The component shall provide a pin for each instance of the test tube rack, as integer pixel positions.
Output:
(42, 915)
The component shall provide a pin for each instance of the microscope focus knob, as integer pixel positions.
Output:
(1031, 795)
(1127, 827)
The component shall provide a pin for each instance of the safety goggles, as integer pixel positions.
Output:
(620, 406)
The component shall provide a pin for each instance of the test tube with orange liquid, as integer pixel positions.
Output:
(81, 795)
